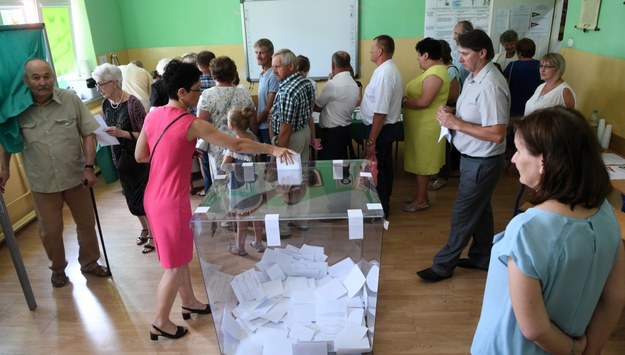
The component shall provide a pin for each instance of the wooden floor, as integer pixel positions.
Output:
(93, 315)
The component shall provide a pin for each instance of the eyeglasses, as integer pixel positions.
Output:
(195, 90)
(99, 85)
(545, 66)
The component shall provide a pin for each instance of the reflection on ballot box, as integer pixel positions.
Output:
(313, 291)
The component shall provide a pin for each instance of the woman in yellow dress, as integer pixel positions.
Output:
(424, 154)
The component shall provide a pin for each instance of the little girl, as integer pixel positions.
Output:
(239, 122)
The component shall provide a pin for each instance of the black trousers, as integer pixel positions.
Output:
(335, 142)
(386, 170)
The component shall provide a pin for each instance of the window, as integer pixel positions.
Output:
(57, 16)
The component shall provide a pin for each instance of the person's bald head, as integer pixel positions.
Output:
(341, 59)
(39, 78)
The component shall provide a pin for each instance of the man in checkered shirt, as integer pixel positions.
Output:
(293, 105)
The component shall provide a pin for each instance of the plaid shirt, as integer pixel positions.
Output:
(206, 82)
(293, 103)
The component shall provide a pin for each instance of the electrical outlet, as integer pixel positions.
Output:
(102, 59)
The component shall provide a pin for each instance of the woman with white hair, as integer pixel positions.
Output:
(124, 115)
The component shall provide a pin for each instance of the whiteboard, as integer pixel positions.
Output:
(313, 28)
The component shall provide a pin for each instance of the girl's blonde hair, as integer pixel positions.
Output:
(239, 117)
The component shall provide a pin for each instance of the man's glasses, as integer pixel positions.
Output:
(195, 90)
(100, 85)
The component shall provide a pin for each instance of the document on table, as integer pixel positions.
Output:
(612, 159)
(616, 172)
(100, 133)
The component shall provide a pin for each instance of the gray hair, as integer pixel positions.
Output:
(108, 72)
(288, 57)
(557, 60)
(160, 67)
(508, 36)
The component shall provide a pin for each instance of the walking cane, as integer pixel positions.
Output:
(97, 219)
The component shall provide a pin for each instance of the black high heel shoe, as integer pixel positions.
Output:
(186, 316)
(180, 332)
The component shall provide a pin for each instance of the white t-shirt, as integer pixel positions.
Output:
(383, 94)
(338, 100)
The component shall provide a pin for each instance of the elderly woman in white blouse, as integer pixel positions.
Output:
(554, 91)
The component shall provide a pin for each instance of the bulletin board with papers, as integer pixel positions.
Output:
(314, 291)
(442, 15)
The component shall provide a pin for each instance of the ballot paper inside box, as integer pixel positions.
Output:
(314, 289)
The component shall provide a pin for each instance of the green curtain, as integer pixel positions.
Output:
(18, 44)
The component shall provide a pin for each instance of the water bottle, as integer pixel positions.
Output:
(594, 119)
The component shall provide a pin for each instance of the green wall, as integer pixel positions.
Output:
(609, 40)
(396, 18)
(165, 23)
(107, 27)
(121, 24)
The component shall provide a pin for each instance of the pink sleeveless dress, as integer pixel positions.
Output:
(166, 198)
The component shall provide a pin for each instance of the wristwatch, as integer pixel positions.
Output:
(90, 166)
(369, 142)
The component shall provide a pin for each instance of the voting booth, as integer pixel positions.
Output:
(314, 288)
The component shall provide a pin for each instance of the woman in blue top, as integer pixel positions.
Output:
(557, 274)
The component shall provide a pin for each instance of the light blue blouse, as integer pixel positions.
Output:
(571, 257)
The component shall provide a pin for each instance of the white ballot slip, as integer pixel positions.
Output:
(356, 226)
(100, 133)
(445, 133)
(290, 174)
(273, 230)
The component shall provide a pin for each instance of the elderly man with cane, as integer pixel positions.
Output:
(57, 130)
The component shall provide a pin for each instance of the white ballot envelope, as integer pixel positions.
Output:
(290, 174)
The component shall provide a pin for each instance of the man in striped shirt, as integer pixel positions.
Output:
(292, 106)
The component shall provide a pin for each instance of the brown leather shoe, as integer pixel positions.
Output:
(100, 271)
(59, 279)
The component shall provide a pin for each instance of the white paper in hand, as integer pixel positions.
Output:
(100, 133)
(445, 133)
(290, 174)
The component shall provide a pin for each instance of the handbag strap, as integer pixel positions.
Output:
(161, 136)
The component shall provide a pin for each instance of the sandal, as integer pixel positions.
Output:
(143, 237)
(259, 248)
(232, 249)
(437, 184)
(148, 247)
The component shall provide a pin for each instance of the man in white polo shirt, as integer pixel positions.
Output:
(380, 110)
(336, 102)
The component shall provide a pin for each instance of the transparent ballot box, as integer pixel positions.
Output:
(313, 290)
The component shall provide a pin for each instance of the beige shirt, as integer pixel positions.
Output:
(137, 81)
(52, 134)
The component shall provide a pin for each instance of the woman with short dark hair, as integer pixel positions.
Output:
(557, 274)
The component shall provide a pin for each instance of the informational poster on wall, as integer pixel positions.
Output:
(532, 19)
(442, 15)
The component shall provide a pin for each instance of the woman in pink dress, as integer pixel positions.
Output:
(167, 142)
